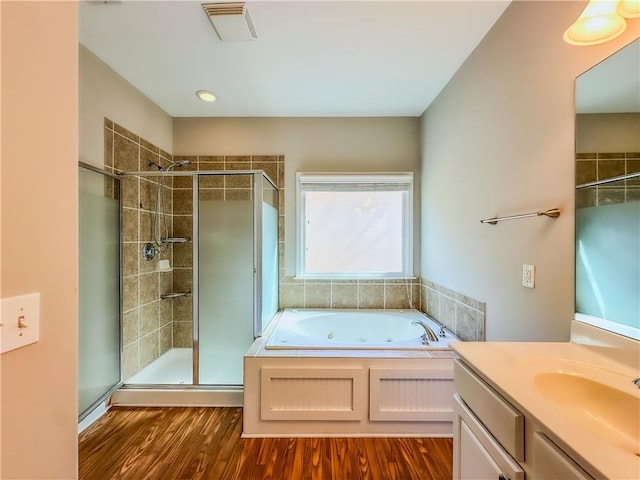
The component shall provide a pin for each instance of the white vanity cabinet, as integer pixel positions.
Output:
(488, 433)
(493, 440)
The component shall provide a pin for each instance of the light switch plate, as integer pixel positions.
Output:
(528, 276)
(20, 321)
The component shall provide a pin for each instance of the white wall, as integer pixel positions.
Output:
(499, 140)
(39, 235)
(104, 93)
(311, 145)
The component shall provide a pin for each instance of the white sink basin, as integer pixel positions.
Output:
(595, 404)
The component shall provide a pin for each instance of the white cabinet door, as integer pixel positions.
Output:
(476, 454)
(476, 463)
(551, 462)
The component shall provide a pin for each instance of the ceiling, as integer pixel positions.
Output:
(311, 58)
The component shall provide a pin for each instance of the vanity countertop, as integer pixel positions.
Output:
(585, 399)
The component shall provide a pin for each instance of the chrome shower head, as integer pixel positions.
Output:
(180, 163)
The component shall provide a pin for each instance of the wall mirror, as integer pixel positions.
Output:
(608, 193)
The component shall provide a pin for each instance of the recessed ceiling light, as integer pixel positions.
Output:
(206, 96)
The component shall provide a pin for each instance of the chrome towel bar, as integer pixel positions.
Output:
(552, 213)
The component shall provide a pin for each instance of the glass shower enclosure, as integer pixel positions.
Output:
(99, 288)
(216, 275)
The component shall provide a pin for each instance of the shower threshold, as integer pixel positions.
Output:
(167, 381)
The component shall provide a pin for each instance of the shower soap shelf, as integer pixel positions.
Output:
(176, 240)
(164, 296)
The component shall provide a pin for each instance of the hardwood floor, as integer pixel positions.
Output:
(205, 443)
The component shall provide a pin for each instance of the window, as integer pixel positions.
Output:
(355, 225)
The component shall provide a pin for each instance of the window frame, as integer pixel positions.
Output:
(306, 182)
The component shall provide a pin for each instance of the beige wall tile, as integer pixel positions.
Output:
(182, 334)
(238, 194)
(129, 259)
(317, 295)
(166, 338)
(129, 293)
(149, 318)
(182, 279)
(182, 309)
(238, 181)
(126, 133)
(447, 311)
(433, 304)
(125, 154)
(182, 226)
(370, 295)
(129, 192)
(149, 348)
(129, 360)
(129, 221)
(129, 327)
(396, 296)
(149, 290)
(183, 254)
(466, 323)
(183, 202)
(166, 312)
(344, 295)
(211, 181)
(292, 295)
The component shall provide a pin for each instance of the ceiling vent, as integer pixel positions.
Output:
(231, 21)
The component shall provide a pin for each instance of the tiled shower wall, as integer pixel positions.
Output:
(146, 320)
(601, 165)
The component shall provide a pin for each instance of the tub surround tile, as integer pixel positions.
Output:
(343, 295)
(396, 295)
(460, 313)
(317, 295)
(291, 295)
(370, 295)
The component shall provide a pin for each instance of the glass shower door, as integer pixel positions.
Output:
(269, 252)
(224, 267)
(99, 289)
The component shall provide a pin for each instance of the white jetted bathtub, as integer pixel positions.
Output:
(349, 373)
(355, 329)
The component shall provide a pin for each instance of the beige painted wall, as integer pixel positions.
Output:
(104, 93)
(610, 132)
(310, 144)
(39, 235)
(499, 140)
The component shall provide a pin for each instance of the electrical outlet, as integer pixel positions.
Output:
(528, 276)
